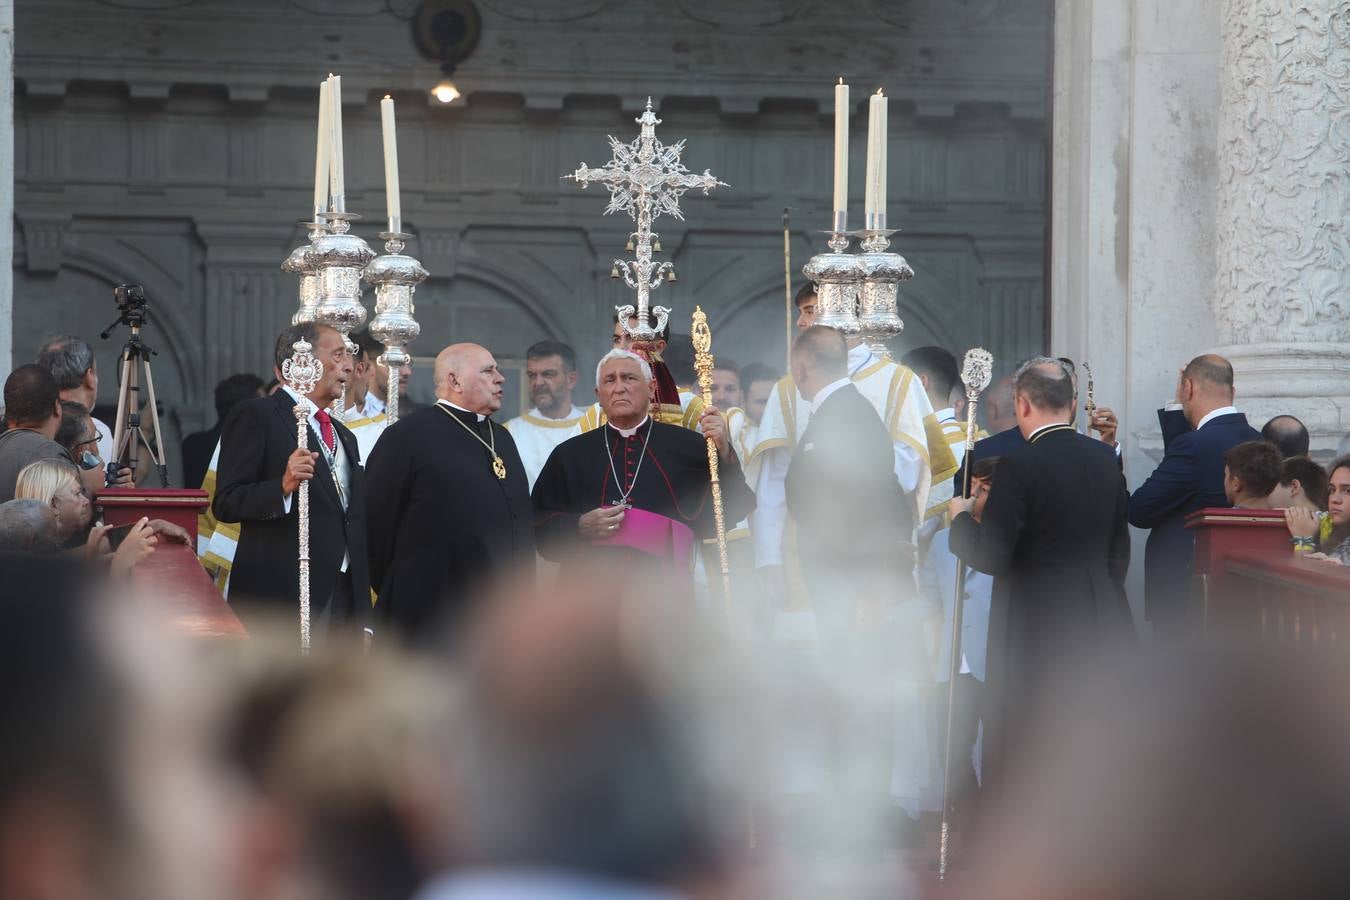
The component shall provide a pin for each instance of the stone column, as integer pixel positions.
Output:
(1282, 291)
(6, 184)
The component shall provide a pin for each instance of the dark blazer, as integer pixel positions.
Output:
(256, 441)
(842, 492)
(1003, 443)
(197, 450)
(1190, 477)
(1055, 538)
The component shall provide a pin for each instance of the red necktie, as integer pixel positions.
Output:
(326, 430)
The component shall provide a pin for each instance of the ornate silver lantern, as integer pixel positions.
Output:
(395, 277)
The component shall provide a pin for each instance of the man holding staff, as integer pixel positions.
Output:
(260, 471)
(635, 490)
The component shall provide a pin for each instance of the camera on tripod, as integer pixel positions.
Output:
(131, 303)
(133, 311)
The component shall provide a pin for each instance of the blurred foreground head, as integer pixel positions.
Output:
(107, 786)
(597, 735)
(1220, 775)
(336, 747)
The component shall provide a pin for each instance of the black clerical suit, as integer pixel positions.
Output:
(850, 511)
(670, 479)
(256, 442)
(1055, 538)
(441, 523)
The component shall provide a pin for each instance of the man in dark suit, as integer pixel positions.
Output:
(855, 529)
(199, 446)
(1000, 443)
(1195, 438)
(851, 513)
(1054, 536)
(259, 472)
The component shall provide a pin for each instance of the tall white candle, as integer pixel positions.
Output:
(875, 198)
(391, 198)
(321, 153)
(841, 112)
(337, 182)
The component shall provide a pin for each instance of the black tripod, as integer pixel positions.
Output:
(128, 433)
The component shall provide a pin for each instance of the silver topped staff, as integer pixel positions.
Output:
(977, 369)
(301, 372)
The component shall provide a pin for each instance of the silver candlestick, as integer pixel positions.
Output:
(837, 276)
(882, 273)
(302, 372)
(339, 258)
(302, 262)
(645, 179)
(395, 278)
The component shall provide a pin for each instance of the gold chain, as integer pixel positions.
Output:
(498, 467)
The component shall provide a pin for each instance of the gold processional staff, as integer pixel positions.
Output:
(703, 366)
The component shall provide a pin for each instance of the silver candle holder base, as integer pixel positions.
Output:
(340, 258)
(303, 263)
(838, 278)
(395, 277)
(878, 301)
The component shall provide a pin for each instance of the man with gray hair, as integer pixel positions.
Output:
(28, 526)
(71, 361)
(449, 500)
(636, 490)
(1054, 536)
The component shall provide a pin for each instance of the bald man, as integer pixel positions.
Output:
(449, 500)
(1198, 429)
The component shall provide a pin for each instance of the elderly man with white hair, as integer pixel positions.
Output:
(449, 500)
(636, 490)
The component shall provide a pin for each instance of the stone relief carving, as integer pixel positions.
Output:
(546, 10)
(933, 14)
(743, 12)
(1284, 173)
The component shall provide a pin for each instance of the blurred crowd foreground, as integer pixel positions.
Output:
(602, 742)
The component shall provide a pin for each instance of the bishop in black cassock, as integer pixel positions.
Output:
(587, 485)
(449, 500)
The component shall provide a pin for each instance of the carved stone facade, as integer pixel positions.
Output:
(171, 143)
(1282, 297)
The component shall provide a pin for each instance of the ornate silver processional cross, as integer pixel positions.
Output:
(645, 179)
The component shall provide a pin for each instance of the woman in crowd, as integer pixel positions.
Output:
(1325, 536)
(57, 482)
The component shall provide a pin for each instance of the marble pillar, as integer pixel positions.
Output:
(6, 183)
(1282, 289)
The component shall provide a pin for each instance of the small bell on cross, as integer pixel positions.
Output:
(656, 245)
(670, 276)
(614, 272)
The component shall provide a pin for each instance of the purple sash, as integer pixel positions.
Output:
(658, 536)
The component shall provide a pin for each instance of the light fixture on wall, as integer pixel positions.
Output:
(447, 32)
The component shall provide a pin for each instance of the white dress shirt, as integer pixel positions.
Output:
(374, 404)
(1221, 411)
